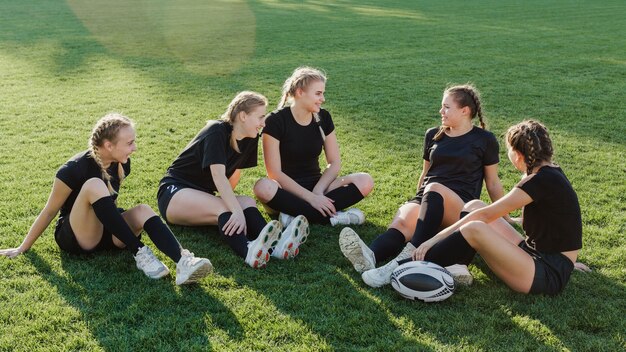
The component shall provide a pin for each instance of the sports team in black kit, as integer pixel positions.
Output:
(444, 223)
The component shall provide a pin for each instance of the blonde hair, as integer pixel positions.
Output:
(530, 138)
(107, 128)
(300, 79)
(464, 95)
(244, 101)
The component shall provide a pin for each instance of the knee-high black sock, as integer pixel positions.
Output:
(345, 196)
(388, 244)
(453, 249)
(238, 242)
(113, 222)
(429, 221)
(163, 237)
(255, 222)
(289, 203)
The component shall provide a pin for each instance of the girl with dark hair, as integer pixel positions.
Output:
(458, 157)
(543, 262)
(85, 190)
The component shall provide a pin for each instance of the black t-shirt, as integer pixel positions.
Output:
(552, 221)
(300, 146)
(80, 168)
(459, 162)
(211, 146)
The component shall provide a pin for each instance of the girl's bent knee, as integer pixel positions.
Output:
(473, 205)
(264, 189)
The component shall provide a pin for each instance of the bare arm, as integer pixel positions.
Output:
(333, 158)
(58, 195)
(237, 221)
(271, 156)
(425, 169)
(234, 179)
(492, 182)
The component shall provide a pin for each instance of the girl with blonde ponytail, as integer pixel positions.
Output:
(542, 262)
(85, 191)
(458, 158)
(198, 188)
(293, 140)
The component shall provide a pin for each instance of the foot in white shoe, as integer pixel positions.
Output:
(290, 240)
(352, 216)
(190, 269)
(357, 252)
(461, 274)
(150, 264)
(258, 250)
(382, 276)
(285, 219)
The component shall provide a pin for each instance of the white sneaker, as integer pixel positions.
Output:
(285, 219)
(258, 250)
(382, 276)
(149, 264)
(190, 269)
(461, 274)
(352, 216)
(290, 240)
(357, 252)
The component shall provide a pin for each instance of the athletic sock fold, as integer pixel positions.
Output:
(113, 222)
(163, 237)
(388, 244)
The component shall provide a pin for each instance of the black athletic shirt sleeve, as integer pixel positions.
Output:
(491, 154)
(326, 122)
(428, 142)
(213, 150)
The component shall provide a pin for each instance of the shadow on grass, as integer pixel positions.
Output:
(124, 310)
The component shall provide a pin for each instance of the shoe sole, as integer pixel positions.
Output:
(350, 245)
(291, 248)
(270, 236)
(201, 272)
(159, 275)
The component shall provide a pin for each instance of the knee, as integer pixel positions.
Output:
(95, 186)
(473, 205)
(403, 225)
(364, 182)
(435, 187)
(145, 211)
(265, 189)
(247, 202)
(474, 231)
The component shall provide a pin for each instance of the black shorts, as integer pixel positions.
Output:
(309, 182)
(420, 194)
(552, 271)
(66, 239)
(165, 194)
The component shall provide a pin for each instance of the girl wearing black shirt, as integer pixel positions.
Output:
(85, 192)
(211, 164)
(458, 156)
(293, 139)
(543, 263)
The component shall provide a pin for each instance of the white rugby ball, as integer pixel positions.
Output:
(421, 280)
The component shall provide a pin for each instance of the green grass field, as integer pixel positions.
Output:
(172, 65)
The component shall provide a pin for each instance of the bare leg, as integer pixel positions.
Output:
(363, 181)
(83, 220)
(508, 261)
(501, 226)
(406, 219)
(191, 207)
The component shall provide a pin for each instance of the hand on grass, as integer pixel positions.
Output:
(11, 252)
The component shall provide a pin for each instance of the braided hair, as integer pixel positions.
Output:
(244, 101)
(301, 78)
(107, 128)
(464, 95)
(530, 138)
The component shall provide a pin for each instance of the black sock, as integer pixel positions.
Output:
(113, 222)
(289, 203)
(345, 196)
(255, 222)
(430, 218)
(453, 249)
(238, 242)
(388, 244)
(163, 237)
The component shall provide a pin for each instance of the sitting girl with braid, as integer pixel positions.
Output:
(85, 191)
(458, 157)
(543, 262)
